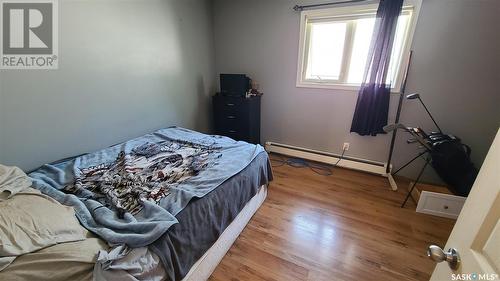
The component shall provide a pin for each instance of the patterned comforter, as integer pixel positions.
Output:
(130, 193)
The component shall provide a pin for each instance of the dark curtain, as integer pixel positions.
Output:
(372, 106)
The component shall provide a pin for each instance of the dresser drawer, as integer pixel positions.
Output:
(232, 128)
(231, 107)
(235, 134)
(230, 102)
(231, 119)
(237, 117)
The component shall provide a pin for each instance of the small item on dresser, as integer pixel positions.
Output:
(254, 90)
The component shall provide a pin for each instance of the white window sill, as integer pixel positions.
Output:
(330, 86)
(324, 85)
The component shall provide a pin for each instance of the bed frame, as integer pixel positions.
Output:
(206, 265)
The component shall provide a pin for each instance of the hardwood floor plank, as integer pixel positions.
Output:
(347, 226)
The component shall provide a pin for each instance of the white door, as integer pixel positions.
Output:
(476, 235)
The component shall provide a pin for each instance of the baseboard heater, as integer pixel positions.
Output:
(331, 158)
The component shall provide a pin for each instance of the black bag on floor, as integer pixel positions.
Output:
(451, 160)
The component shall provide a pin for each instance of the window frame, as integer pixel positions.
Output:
(345, 13)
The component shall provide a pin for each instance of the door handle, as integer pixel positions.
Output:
(437, 254)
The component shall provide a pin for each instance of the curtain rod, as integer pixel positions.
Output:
(301, 8)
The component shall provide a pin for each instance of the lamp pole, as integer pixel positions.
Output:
(398, 114)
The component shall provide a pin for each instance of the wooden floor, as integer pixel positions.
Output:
(347, 226)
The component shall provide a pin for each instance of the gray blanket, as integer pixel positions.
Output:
(130, 193)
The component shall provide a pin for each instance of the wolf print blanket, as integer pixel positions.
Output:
(130, 193)
(145, 174)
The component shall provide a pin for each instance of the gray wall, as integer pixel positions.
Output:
(456, 70)
(126, 68)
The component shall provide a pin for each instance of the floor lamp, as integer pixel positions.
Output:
(392, 182)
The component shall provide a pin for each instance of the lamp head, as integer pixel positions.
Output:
(413, 96)
(392, 127)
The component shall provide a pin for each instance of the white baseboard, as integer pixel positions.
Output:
(329, 158)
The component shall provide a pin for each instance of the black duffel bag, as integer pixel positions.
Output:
(451, 160)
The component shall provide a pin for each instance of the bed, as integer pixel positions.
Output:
(202, 212)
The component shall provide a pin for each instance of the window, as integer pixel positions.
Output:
(334, 45)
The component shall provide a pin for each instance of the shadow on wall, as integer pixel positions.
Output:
(115, 80)
(203, 121)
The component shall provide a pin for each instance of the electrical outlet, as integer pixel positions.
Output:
(346, 146)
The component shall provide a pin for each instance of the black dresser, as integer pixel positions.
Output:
(237, 117)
